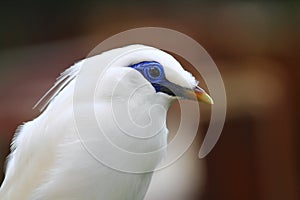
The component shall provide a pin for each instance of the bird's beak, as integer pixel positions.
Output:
(197, 94)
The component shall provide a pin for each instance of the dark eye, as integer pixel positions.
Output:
(154, 72)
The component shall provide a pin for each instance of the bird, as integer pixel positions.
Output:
(50, 161)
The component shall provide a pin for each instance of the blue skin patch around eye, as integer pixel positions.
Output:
(153, 72)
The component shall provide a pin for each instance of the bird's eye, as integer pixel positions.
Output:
(154, 72)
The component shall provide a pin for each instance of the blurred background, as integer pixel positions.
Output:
(255, 44)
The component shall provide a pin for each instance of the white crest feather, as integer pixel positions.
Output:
(64, 79)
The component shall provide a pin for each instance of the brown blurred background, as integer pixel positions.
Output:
(256, 46)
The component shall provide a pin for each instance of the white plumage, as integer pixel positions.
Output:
(48, 160)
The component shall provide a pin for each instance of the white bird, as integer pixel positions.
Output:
(49, 159)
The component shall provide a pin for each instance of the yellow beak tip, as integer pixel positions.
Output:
(204, 97)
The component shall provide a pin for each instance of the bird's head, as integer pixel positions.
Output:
(152, 71)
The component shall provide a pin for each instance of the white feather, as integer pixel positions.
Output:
(64, 79)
